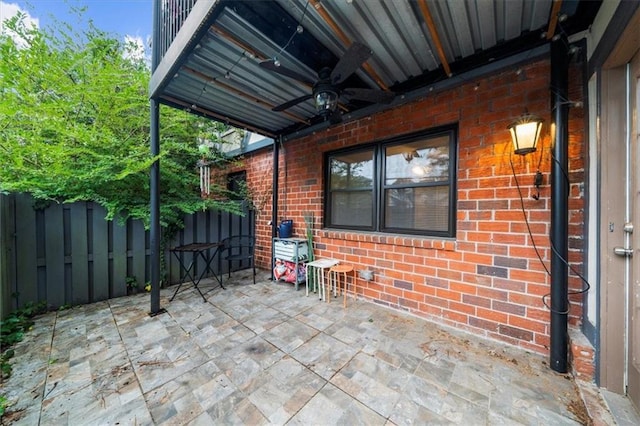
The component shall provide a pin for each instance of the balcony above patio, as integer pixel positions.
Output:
(222, 59)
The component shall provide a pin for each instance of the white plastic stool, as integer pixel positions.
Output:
(318, 269)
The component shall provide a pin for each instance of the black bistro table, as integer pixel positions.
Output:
(206, 251)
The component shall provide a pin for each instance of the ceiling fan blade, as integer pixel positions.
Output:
(271, 66)
(369, 95)
(350, 62)
(291, 103)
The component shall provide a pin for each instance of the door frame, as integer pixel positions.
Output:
(618, 137)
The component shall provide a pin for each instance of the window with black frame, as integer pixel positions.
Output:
(403, 185)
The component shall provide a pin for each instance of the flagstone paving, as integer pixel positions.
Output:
(266, 354)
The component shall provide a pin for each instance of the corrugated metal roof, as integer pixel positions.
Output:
(217, 72)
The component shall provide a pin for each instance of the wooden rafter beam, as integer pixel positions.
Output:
(553, 19)
(227, 36)
(347, 42)
(428, 19)
(232, 39)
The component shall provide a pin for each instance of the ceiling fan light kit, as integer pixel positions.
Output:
(327, 90)
(326, 101)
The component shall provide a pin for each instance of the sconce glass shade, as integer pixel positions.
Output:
(326, 101)
(525, 133)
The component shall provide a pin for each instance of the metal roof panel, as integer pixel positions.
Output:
(409, 52)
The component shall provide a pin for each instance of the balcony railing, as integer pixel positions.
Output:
(173, 13)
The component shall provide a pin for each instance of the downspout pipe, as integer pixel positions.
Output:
(274, 193)
(559, 203)
(154, 175)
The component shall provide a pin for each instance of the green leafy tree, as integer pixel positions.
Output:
(74, 125)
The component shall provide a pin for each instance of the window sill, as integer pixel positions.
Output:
(436, 243)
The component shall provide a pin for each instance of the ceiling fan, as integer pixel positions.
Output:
(327, 89)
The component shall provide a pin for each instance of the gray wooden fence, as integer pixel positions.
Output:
(68, 254)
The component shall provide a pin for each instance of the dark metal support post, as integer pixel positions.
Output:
(559, 204)
(154, 232)
(274, 194)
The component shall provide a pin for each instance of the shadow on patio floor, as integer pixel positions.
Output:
(266, 354)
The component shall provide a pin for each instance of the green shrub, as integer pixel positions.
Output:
(3, 404)
(12, 330)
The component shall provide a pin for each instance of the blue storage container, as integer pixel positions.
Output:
(285, 229)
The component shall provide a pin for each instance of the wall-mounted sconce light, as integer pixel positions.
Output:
(525, 133)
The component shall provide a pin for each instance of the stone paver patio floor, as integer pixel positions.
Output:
(266, 354)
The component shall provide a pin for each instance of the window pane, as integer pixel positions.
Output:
(421, 208)
(422, 161)
(352, 170)
(401, 185)
(351, 208)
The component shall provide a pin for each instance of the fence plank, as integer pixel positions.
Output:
(54, 255)
(119, 260)
(66, 225)
(213, 228)
(172, 266)
(188, 231)
(147, 255)
(79, 253)
(26, 254)
(138, 255)
(100, 254)
(201, 227)
(7, 255)
(187, 237)
(201, 236)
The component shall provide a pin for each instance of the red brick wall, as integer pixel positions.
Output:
(488, 279)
